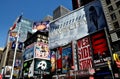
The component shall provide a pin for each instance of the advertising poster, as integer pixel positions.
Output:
(67, 59)
(84, 53)
(40, 26)
(76, 24)
(53, 53)
(8, 70)
(42, 51)
(28, 53)
(101, 53)
(28, 68)
(95, 17)
(59, 59)
(42, 66)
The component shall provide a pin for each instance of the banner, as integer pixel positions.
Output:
(53, 53)
(67, 59)
(84, 53)
(101, 53)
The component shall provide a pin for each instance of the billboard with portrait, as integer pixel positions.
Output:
(42, 51)
(101, 52)
(28, 53)
(67, 58)
(84, 53)
(76, 24)
(42, 65)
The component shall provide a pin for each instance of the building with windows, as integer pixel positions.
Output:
(9, 50)
(112, 13)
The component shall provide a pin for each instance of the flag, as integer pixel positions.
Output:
(15, 24)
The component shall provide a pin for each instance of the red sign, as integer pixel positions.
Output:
(0, 76)
(84, 56)
(101, 53)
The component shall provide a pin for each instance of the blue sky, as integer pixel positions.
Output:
(34, 10)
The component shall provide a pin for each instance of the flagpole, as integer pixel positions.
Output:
(15, 51)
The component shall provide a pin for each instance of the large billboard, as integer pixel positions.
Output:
(76, 24)
(67, 59)
(101, 52)
(84, 53)
(42, 51)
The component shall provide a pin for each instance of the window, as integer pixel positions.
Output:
(118, 4)
(110, 8)
(113, 16)
(108, 2)
(118, 34)
(116, 25)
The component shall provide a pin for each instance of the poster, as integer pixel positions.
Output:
(28, 53)
(42, 51)
(67, 59)
(84, 53)
(101, 53)
(40, 65)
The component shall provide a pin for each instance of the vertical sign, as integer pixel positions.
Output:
(67, 59)
(101, 53)
(84, 56)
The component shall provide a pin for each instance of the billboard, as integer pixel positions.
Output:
(28, 53)
(59, 59)
(84, 53)
(67, 58)
(101, 53)
(40, 65)
(53, 53)
(28, 68)
(42, 51)
(40, 26)
(76, 24)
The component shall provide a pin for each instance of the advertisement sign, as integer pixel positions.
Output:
(59, 59)
(76, 24)
(7, 71)
(101, 53)
(40, 26)
(67, 59)
(84, 53)
(42, 51)
(53, 53)
(28, 53)
(42, 65)
(28, 68)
